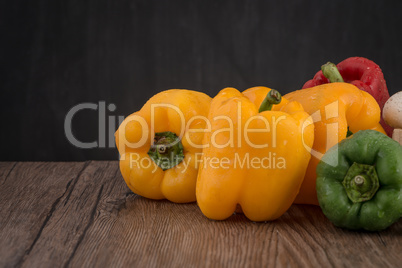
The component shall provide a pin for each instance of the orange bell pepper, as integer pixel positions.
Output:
(335, 109)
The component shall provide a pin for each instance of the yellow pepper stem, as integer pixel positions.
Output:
(273, 97)
(167, 150)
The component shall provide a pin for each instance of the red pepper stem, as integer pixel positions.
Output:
(273, 97)
(331, 72)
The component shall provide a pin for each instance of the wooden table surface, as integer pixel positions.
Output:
(81, 214)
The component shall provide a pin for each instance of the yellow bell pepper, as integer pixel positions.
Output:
(336, 108)
(255, 158)
(158, 145)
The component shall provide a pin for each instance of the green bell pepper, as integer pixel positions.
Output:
(359, 182)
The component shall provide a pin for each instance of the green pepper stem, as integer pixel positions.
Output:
(331, 72)
(361, 182)
(273, 97)
(167, 150)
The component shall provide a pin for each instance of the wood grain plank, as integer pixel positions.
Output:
(155, 233)
(27, 200)
(5, 170)
(98, 222)
(72, 217)
(341, 247)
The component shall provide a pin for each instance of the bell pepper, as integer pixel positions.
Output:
(336, 109)
(255, 157)
(361, 72)
(359, 182)
(158, 145)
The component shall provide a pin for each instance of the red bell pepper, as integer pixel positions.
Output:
(364, 74)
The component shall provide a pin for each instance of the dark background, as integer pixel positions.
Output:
(57, 54)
